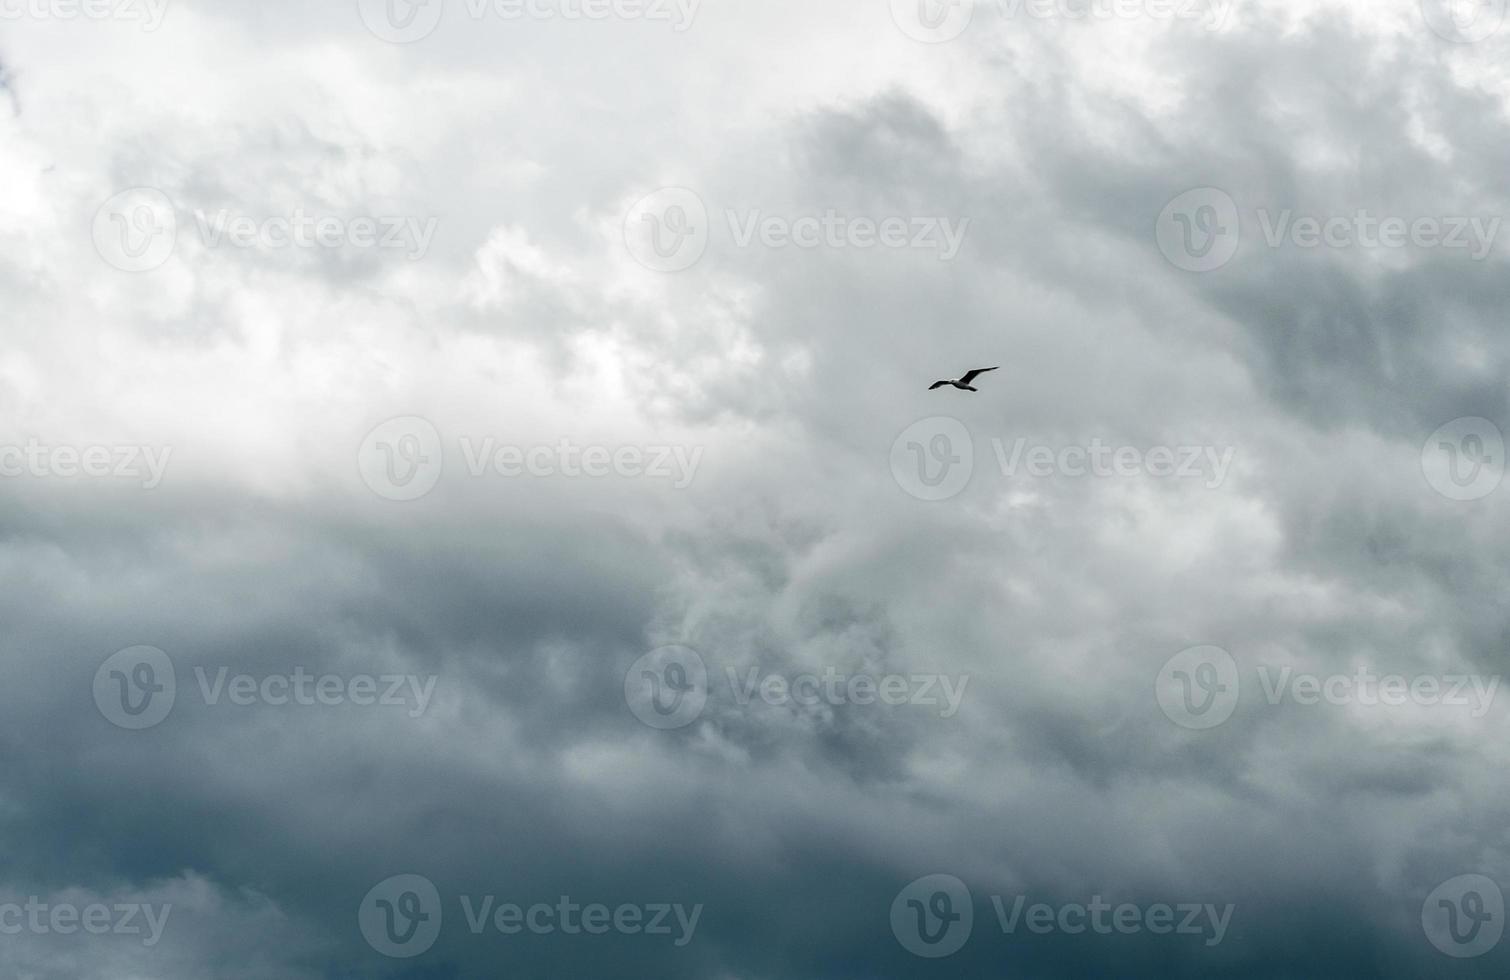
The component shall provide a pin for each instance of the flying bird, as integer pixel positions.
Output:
(963, 384)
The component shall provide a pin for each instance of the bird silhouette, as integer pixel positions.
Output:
(963, 384)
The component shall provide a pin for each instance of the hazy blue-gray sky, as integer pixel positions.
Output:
(484, 461)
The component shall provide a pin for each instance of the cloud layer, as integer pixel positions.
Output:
(569, 362)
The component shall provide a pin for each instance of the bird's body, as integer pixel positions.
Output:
(963, 384)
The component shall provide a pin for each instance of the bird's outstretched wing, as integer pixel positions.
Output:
(974, 374)
(937, 384)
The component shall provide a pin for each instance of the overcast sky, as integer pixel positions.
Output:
(471, 502)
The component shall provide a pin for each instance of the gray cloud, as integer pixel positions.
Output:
(795, 547)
